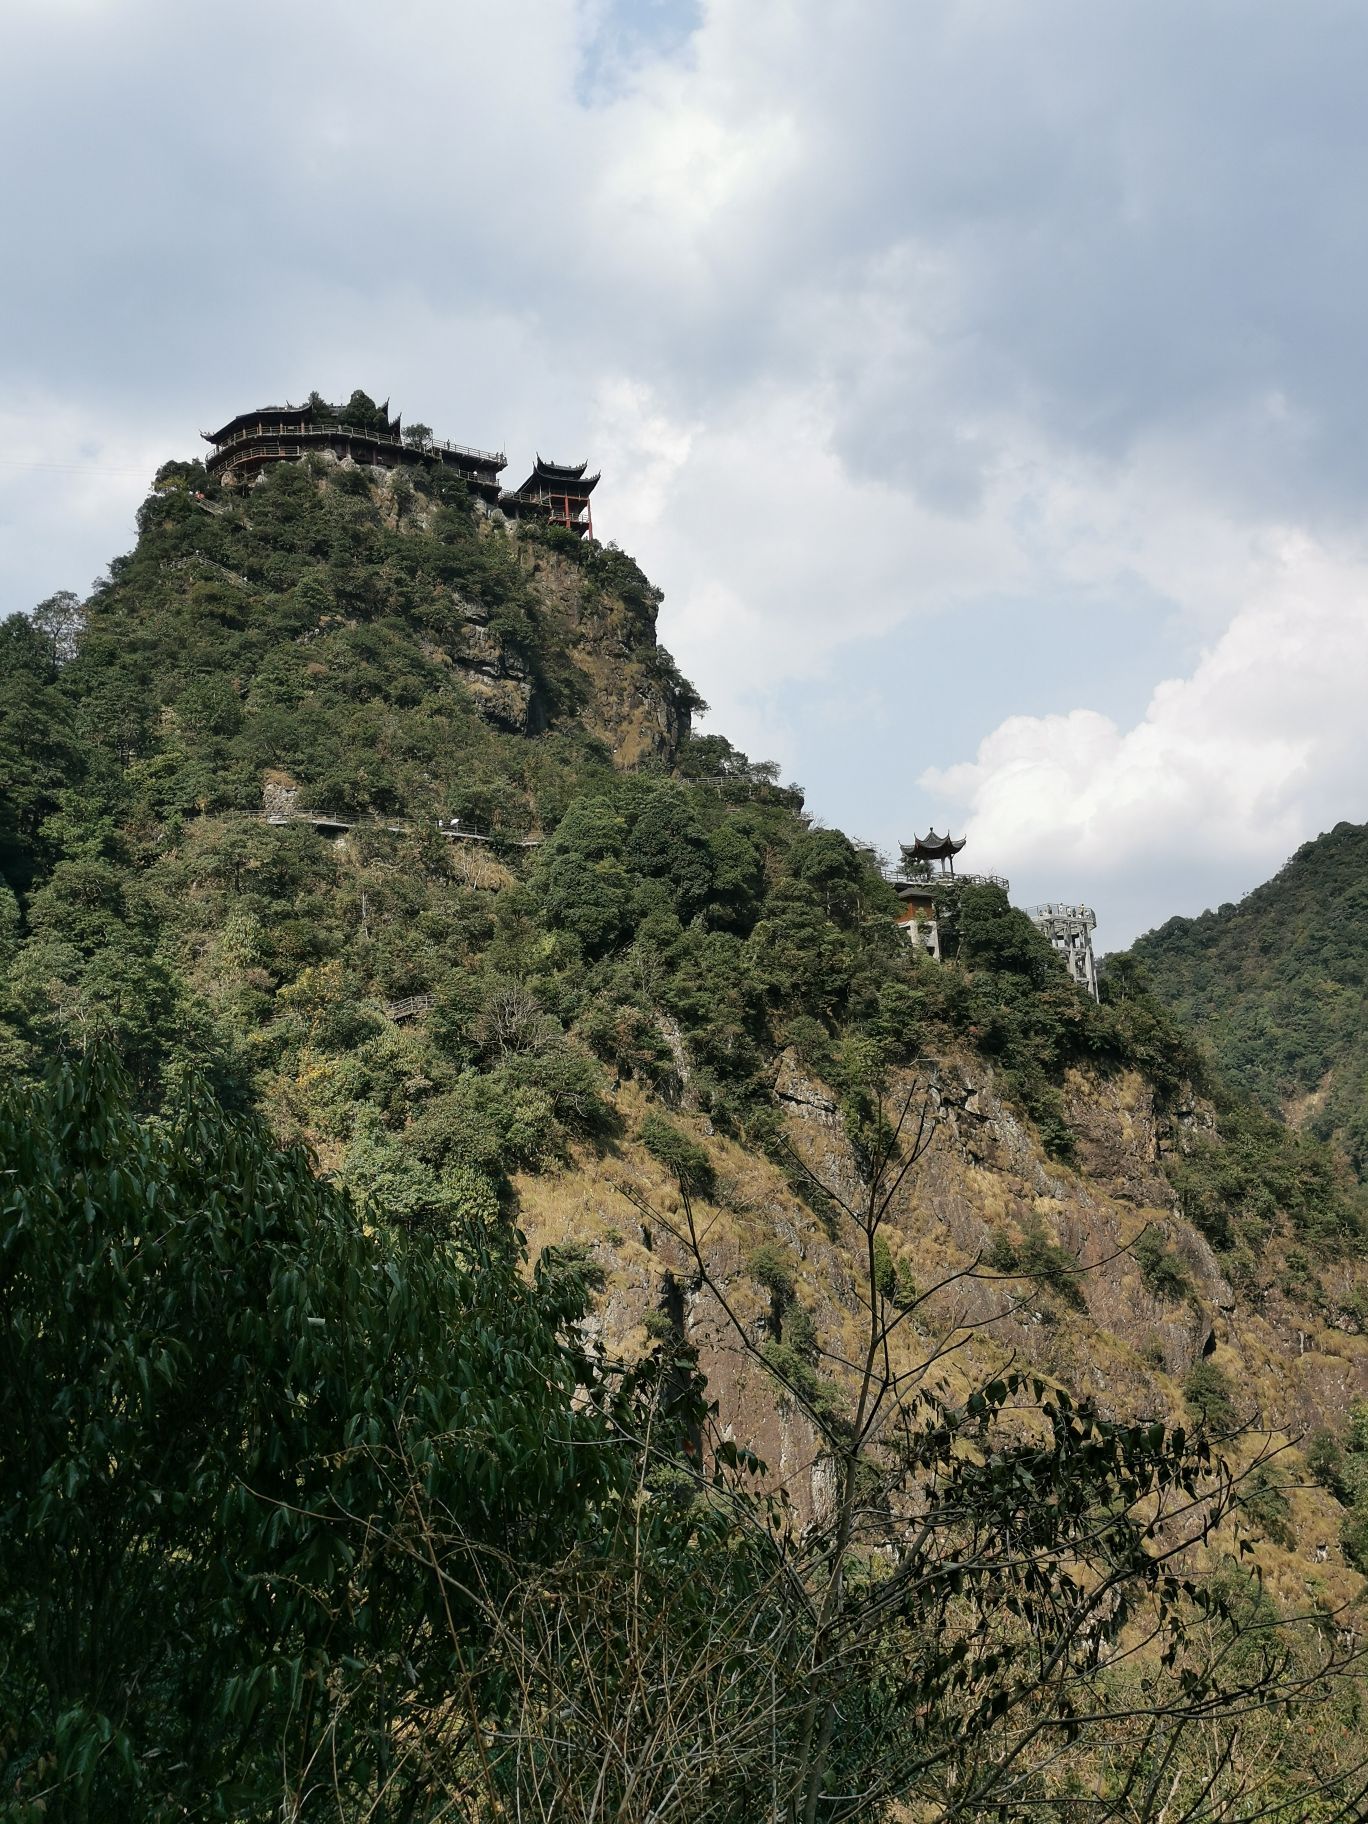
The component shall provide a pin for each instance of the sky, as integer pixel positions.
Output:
(985, 383)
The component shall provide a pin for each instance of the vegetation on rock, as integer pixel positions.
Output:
(1276, 985)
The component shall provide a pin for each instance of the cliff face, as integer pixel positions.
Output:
(595, 628)
(1127, 1343)
(630, 697)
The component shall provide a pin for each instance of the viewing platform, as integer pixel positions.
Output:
(938, 883)
(926, 876)
(1053, 912)
(1069, 929)
(411, 1004)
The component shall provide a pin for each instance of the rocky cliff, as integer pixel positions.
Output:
(984, 1190)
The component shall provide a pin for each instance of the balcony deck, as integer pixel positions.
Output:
(940, 883)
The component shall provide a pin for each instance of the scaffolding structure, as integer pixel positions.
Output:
(1070, 929)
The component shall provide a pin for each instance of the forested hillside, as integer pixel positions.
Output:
(1278, 986)
(524, 1295)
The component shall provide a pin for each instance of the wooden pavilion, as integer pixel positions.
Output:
(555, 491)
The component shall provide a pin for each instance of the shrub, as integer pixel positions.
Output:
(1210, 1397)
(1052, 1268)
(885, 1275)
(679, 1154)
(1000, 1252)
(1325, 1460)
(820, 1395)
(1262, 1498)
(769, 1266)
(1354, 1539)
(905, 1292)
(800, 1332)
(1161, 1270)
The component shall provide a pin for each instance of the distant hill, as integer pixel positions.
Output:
(1276, 984)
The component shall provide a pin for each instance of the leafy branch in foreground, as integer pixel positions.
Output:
(1012, 1598)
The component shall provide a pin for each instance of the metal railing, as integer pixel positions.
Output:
(434, 446)
(937, 883)
(1056, 913)
(451, 828)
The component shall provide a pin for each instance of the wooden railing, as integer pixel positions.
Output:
(553, 503)
(413, 1003)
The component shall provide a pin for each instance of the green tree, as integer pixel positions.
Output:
(40, 753)
(223, 1394)
(993, 934)
(581, 880)
(60, 619)
(668, 843)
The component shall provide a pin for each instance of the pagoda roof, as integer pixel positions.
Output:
(567, 477)
(274, 416)
(932, 847)
(263, 414)
(563, 471)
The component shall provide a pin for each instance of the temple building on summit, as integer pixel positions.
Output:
(927, 876)
(365, 433)
(368, 435)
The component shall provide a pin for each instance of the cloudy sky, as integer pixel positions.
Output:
(984, 382)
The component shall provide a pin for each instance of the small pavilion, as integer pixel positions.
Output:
(928, 871)
(556, 491)
(923, 852)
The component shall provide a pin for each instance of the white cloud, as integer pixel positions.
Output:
(774, 555)
(1264, 743)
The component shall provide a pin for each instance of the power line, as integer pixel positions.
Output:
(72, 468)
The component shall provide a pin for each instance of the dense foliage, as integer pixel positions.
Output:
(223, 1396)
(1277, 985)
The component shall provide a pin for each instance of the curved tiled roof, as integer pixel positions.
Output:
(932, 847)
